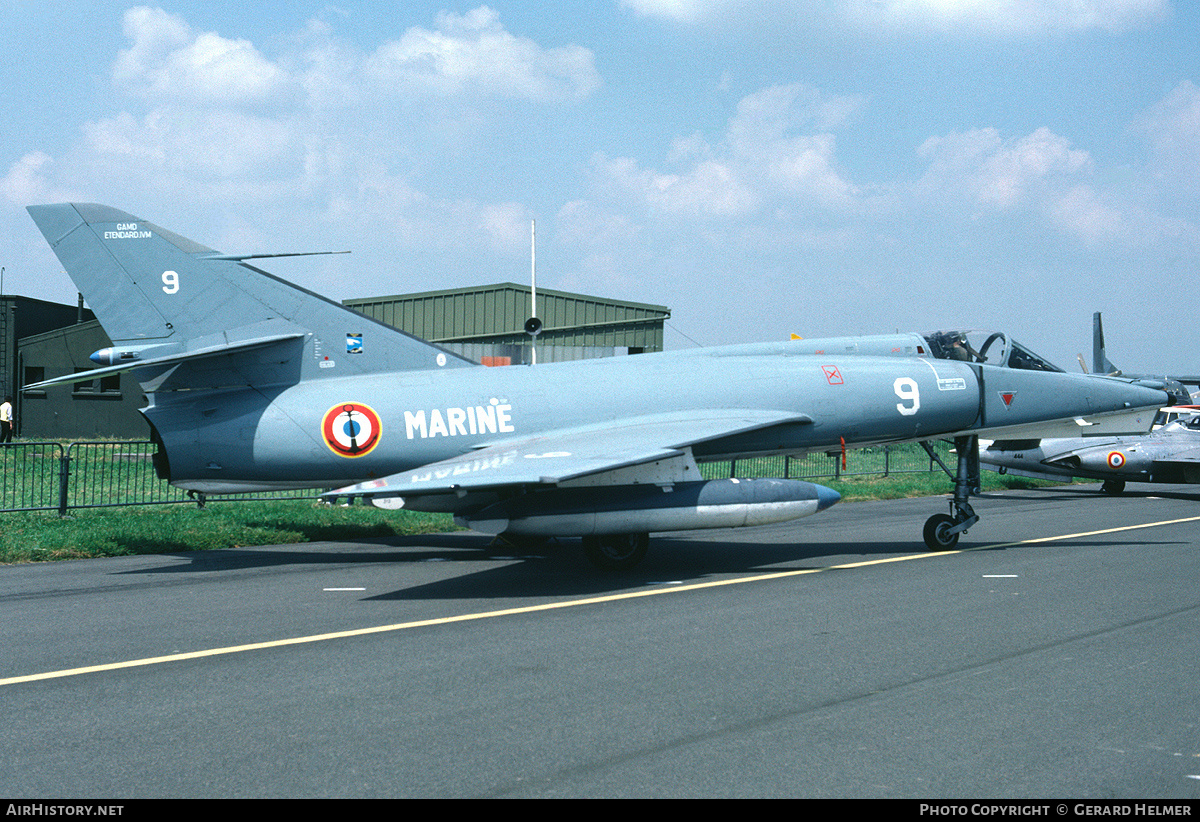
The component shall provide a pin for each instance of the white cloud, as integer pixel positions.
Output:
(504, 226)
(806, 166)
(707, 189)
(764, 139)
(1029, 163)
(1007, 17)
(1173, 128)
(770, 114)
(608, 247)
(979, 17)
(768, 154)
(686, 11)
(31, 180)
(198, 145)
(219, 119)
(474, 53)
(1080, 211)
(169, 61)
(471, 54)
(1040, 174)
(986, 169)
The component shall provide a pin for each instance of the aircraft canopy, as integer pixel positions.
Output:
(991, 347)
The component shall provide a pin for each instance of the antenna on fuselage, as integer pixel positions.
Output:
(533, 326)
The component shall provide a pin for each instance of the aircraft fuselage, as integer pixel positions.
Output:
(346, 429)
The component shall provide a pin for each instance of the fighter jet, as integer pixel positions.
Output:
(255, 384)
(1174, 384)
(1170, 454)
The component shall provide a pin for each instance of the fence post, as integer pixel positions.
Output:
(64, 473)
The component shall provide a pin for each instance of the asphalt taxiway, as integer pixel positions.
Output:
(1053, 655)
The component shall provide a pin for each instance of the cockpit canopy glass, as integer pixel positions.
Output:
(1184, 423)
(990, 347)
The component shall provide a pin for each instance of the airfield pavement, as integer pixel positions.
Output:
(829, 657)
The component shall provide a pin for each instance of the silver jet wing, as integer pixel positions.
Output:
(1189, 457)
(654, 448)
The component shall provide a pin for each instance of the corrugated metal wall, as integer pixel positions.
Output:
(8, 353)
(488, 321)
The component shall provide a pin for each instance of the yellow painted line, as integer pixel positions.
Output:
(550, 606)
(1093, 533)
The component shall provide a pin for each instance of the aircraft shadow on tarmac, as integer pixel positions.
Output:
(455, 546)
(559, 567)
(1140, 491)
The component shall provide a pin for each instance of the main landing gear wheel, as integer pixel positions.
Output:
(616, 552)
(1113, 487)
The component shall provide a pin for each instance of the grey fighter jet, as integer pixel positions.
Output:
(1168, 454)
(1174, 384)
(254, 383)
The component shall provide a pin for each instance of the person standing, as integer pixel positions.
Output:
(6, 420)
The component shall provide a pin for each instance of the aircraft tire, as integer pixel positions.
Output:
(936, 536)
(1113, 487)
(616, 552)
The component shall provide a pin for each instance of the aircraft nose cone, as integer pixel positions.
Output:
(826, 497)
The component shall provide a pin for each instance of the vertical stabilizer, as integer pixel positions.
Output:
(1100, 363)
(158, 294)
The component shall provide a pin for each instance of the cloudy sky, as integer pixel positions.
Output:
(764, 168)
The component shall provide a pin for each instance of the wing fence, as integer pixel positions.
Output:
(53, 476)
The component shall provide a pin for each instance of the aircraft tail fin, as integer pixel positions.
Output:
(1100, 363)
(163, 298)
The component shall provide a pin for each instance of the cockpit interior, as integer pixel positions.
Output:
(990, 347)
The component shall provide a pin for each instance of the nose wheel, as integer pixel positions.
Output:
(943, 530)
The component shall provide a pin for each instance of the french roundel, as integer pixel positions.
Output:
(351, 429)
(1116, 460)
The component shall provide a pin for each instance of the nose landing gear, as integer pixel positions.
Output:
(943, 530)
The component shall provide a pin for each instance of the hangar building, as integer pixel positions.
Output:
(486, 323)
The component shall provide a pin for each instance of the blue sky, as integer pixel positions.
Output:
(816, 167)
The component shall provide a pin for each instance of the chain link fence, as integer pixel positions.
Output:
(52, 476)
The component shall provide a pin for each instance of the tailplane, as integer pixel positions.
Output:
(165, 300)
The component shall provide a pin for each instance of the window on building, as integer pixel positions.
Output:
(34, 374)
(85, 387)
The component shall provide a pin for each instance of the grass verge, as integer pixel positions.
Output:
(924, 484)
(165, 529)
